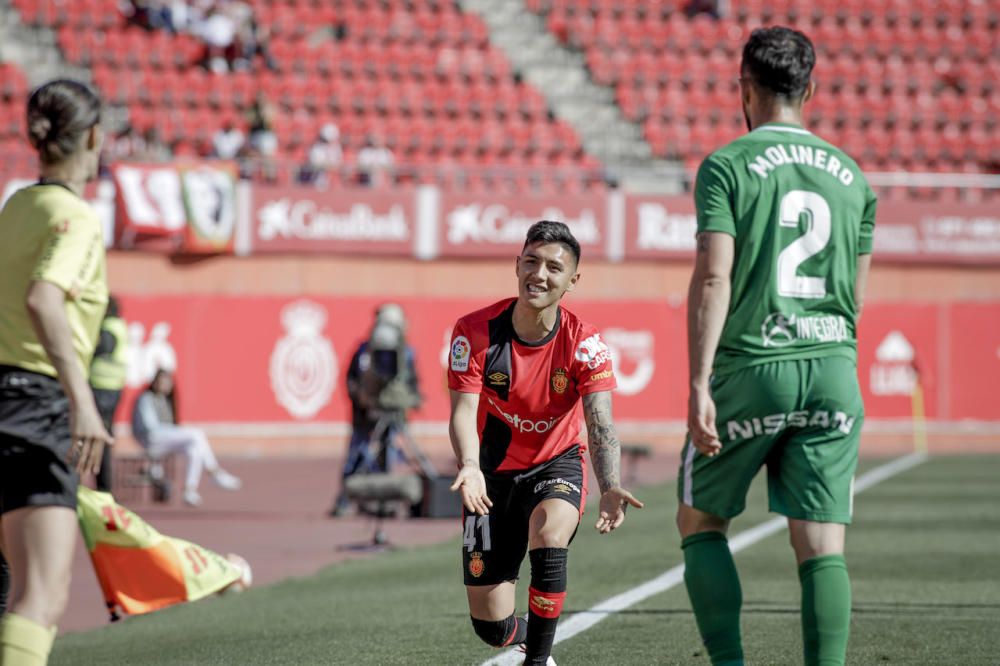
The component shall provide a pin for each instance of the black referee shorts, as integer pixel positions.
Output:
(494, 545)
(35, 440)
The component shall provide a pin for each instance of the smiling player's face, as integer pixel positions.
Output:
(545, 271)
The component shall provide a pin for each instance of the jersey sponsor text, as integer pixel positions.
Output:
(593, 352)
(542, 485)
(525, 425)
(781, 330)
(740, 429)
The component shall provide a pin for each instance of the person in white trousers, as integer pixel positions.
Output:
(154, 425)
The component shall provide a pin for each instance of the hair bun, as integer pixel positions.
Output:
(39, 130)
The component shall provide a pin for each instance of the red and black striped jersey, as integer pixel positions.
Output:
(529, 392)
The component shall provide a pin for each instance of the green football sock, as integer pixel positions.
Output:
(826, 610)
(714, 589)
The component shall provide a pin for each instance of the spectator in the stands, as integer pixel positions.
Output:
(714, 8)
(218, 32)
(252, 40)
(263, 140)
(125, 145)
(151, 14)
(228, 140)
(326, 153)
(263, 143)
(154, 149)
(374, 162)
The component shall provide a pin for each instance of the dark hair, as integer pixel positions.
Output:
(171, 396)
(547, 231)
(59, 113)
(779, 60)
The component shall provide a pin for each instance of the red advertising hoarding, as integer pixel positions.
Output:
(938, 232)
(495, 226)
(664, 227)
(659, 227)
(284, 360)
(265, 360)
(898, 346)
(307, 220)
(972, 333)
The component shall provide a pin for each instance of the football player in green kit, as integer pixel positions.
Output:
(785, 225)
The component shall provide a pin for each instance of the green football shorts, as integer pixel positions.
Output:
(801, 418)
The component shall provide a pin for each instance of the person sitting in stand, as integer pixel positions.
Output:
(154, 424)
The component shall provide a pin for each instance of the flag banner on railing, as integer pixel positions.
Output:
(176, 207)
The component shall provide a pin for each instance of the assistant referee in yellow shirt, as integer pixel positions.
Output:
(53, 295)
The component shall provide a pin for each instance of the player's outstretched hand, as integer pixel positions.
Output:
(472, 484)
(614, 501)
(701, 423)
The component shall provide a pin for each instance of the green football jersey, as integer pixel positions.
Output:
(801, 212)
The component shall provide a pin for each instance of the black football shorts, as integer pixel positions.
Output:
(494, 545)
(34, 442)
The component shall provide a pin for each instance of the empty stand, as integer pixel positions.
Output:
(420, 74)
(903, 85)
(909, 85)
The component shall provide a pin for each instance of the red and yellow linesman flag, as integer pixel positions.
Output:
(139, 569)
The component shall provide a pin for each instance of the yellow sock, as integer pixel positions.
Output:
(24, 642)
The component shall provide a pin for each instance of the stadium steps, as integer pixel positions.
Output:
(33, 49)
(561, 75)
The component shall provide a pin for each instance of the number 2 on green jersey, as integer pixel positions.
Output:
(817, 211)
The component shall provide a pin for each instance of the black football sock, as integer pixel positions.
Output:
(501, 633)
(545, 601)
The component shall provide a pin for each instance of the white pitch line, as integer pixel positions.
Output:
(674, 576)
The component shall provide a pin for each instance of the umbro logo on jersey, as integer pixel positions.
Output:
(498, 379)
(601, 375)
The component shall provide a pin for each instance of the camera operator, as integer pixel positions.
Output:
(383, 386)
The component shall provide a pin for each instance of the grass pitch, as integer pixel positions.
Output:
(923, 556)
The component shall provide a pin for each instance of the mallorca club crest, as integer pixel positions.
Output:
(560, 381)
(476, 566)
(303, 364)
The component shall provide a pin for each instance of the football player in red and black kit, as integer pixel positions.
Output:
(517, 372)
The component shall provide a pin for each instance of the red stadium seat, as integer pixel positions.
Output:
(424, 73)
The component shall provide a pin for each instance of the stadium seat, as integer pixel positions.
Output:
(880, 72)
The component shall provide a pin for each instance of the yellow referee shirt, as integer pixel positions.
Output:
(49, 233)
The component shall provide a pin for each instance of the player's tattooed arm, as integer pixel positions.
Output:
(605, 449)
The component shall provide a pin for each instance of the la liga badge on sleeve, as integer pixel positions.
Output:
(461, 350)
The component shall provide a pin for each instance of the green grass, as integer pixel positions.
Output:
(923, 555)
